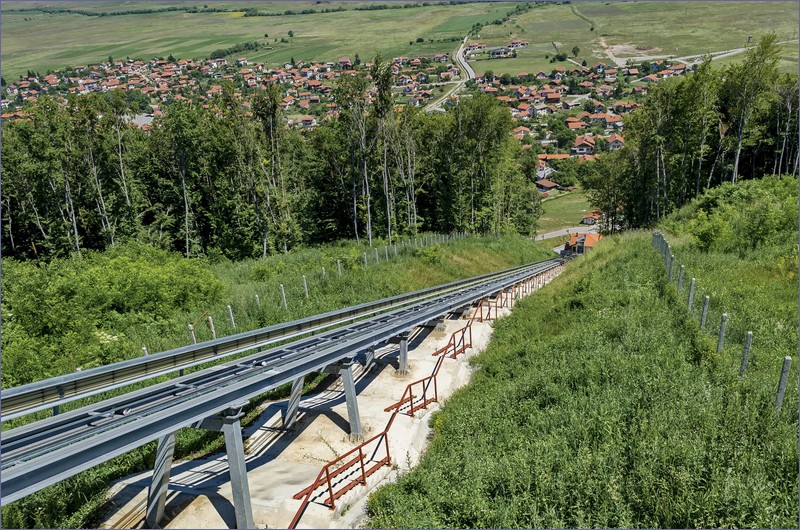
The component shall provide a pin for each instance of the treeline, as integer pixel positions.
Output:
(144, 11)
(242, 183)
(241, 47)
(695, 132)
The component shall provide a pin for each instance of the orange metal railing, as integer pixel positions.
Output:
(352, 468)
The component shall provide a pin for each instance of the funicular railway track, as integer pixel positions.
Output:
(50, 393)
(42, 453)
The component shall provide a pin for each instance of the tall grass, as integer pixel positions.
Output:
(79, 500)
(600, 403)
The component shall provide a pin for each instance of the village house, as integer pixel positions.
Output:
(545, 185)
(583, 145)
(501, 52)
(581, 243)
(615, 142)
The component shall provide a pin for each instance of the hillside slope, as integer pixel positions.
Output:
(600, 402)
(104, 307)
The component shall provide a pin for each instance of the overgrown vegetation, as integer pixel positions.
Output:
(245, 184)
(600, 402)
(696, 132)
(107, 305)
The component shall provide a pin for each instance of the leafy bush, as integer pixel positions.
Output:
(74, 311)
(741, 217)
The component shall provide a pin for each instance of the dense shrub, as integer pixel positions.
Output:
(73, 313)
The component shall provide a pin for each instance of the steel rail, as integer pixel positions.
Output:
(45, 452)
(56, 391)
(49, 431)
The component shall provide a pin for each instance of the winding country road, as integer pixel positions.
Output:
(467, 73)
(688, 60)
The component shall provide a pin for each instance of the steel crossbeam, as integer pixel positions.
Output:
(45, 452)
(56, 391)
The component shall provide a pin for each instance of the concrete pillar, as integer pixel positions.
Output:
(157, 493)
(232, 429)
(403, 369)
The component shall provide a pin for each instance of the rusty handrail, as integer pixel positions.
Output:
(518, 290)
(326, 474)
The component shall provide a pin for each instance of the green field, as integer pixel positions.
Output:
(786, 63)
(600, 402)
(686, 28)
(564, 211)
(39, 41)
(633, 29)
(541, 27)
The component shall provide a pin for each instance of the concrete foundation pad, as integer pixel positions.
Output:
(282, 462)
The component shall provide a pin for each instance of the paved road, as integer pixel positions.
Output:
(688, 60)
(467, 73)
(567, 231)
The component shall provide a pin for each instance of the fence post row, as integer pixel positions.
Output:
(230, 317)
(787, 363)
(746, 354)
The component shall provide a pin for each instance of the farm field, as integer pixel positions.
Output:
(564, 211)
(634, 29)
(541, 27)
(39, 41)
(687, 28)
(601, 403)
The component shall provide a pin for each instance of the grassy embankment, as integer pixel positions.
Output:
(564, 211)
(637, 29)
(104, 307)
(600, 402)
(38, 41)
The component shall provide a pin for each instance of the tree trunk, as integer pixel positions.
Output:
(101, 202)
(10, 230)
(367, 200)
(185, 205)
(73, 217)
(122, 167)
(386, 185)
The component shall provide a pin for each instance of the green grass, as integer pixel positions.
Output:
(635, 29)
(686, 28)
(76, 502)
(53, 41)
(600, 403)
(787, 62)
(540, 26)
(564, 211)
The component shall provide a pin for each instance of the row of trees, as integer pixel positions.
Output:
(223, 178)
(695, 132)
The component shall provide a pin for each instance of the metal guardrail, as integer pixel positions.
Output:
(340, 475)
(56, 391)
(45, 452)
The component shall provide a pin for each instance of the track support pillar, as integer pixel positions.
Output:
(157, 493)
(403, 367)
(228, 422)
(290, 416)
(353, 416)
